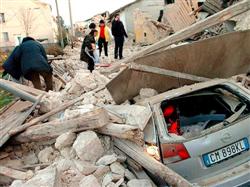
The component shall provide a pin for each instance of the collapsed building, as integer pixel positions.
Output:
(87, 133)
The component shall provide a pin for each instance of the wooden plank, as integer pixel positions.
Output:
(5, 108)
(19, 106)
(149, 163)
(115, 117)
(15, 174)
(161, 71)
(45, 116)
(122, 131)
(15, 121)
(50, 130)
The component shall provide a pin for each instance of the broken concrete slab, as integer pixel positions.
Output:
(195, 64)
(89, 181)
(68, 152)
(107, 179)
(135, 115)
(30, 158)
(88, 147)
(71, 177)
(147, 92)
(65, 140)
(85, 168)
(46, 176)
(63, 165)
(117, 168)
(129, 175)
(82, 82)
(107, 160)
(50, 101)
(47, 155)
(101, 171)
(17, 183)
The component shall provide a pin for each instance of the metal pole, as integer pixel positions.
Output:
(17, 92)
(71, 24)
(59, 26)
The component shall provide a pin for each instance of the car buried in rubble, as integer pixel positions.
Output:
(202, 132)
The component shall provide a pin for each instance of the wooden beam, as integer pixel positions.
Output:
(149, 163)
(15, 122)
(122, 131)
(45, 116)
(50, 130)
(183, 34)
(15, 174)
(161, 71)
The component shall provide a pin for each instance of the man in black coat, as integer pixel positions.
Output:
(29, 59)
(118, 32)
(12, 65)
(34, 62)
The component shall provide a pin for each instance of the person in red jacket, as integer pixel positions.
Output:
(103, 37)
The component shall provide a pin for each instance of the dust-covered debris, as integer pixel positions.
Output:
(88, 147)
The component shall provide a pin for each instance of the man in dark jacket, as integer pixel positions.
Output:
(118, 32)
(12, 65)
(88, 49)
(34, 62)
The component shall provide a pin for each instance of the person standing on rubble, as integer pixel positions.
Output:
(88, 50)
(103, 38)
(119, 33)
(34, 63)
(92, 26)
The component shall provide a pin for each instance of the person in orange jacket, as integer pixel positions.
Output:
(104, 37)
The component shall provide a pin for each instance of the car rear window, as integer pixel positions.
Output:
(200, 110)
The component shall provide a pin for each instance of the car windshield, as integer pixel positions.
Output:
(200, 110)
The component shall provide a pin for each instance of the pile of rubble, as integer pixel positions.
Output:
(77, 136)
(73, 146)
(82, 159)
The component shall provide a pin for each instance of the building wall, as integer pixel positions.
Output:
(150, 7)
(42, 25)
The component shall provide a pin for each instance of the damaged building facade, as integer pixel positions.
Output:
(137, 17)
(26, 18)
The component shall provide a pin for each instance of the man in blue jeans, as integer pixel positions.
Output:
(119, 33)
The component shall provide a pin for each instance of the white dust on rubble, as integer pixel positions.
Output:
(242, 21)
(89, 167)
(73, 159)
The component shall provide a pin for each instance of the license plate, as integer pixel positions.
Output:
(225, 152)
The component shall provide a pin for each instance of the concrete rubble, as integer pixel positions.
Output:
(88, 146)
(86, 155)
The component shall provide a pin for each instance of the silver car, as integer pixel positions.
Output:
(202, 132)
